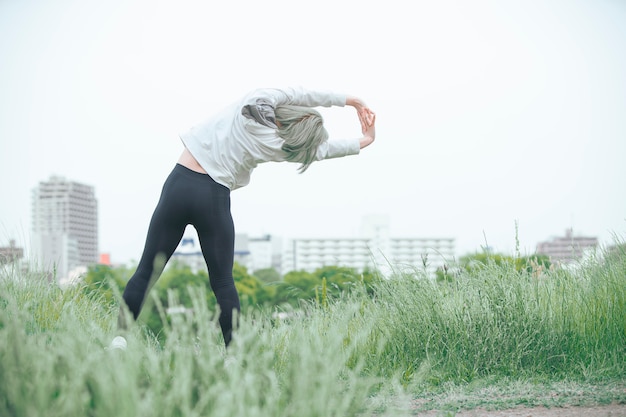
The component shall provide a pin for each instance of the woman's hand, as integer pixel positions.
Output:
(369, 132)
(367, 119)
(364, 113)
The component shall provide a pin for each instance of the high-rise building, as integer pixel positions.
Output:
(65, 226)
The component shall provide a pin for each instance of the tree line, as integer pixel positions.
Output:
(266, 289)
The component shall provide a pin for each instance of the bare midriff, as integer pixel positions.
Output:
(188, 161)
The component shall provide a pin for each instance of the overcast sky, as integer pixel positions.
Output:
(488, 112)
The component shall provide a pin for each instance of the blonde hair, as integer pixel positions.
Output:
(303, 131)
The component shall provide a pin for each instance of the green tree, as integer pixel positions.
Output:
(525, 263)
(483, 259)
(252, 292)
(302, 285)
(296, 285)
(370, 278)
(106, 280)
(339, 279)
(267, 275)
(533, 264)
(181, 280)
(444, 274)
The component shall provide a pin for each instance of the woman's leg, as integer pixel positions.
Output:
(214, 224)
(189, 197)
(164, 233)
(218, 251)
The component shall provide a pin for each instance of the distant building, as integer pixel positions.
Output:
(188, 253)
(10, 254)
(311, 254)
(566, 249)
(427, 253)
(265, 252)
(65, 226)
(254, 253)
(105, 259)
(374, 249)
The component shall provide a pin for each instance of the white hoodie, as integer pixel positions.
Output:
(230, 145)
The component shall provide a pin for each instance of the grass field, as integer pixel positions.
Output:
(416, 344)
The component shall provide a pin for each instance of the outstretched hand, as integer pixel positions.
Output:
(368, 126)
(367, 118)
(364, 113)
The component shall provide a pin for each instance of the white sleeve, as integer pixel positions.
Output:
(338, 148)
(298, 96)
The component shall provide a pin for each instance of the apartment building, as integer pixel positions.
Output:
(393, 255)
(374, 248)
(64, 226)
(566, 249)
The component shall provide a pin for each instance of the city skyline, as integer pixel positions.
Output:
(373, 248)
(548, 241)
(369, 227)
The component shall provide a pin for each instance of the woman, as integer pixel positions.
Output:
(219, 156)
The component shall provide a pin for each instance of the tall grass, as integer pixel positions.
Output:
(326, 359)
(498, 321)
(54, 360)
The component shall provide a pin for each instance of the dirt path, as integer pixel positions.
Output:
(614, 410)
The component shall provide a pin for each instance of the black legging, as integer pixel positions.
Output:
(189, 197)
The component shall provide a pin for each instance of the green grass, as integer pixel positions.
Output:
(492, 336)
(498, 321)
(54, 361)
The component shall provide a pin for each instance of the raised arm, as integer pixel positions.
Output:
(297, 96)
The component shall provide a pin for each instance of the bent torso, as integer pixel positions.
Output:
(188, 161)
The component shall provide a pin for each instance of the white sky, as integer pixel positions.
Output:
(488, 112)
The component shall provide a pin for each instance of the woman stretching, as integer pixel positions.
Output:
(219, 155)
